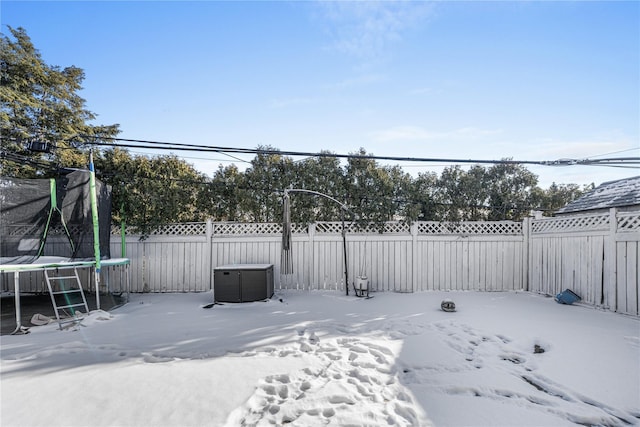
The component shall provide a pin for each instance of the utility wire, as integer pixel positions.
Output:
(617, 152)
(158, 145)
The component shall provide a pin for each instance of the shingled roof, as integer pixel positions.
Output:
(612, 194)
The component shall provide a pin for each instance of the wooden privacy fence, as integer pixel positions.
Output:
(424, 256)
(594, 255)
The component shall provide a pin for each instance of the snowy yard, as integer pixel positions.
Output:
(321, 358)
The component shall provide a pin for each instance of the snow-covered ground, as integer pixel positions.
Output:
(322, 358)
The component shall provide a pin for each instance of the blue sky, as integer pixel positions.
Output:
(470, 80)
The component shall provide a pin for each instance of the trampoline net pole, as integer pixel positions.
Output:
(96, 225)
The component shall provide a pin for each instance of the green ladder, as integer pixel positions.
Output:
(66, 287)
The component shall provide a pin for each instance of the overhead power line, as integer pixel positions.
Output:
(618, 162)
(158, 145)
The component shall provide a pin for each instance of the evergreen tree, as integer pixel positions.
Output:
(40, 103)
(510, 189)
(324, 175)
(423, 198)
(265, 180)
(221, 197)
(370, 189)
(152, 191)
(557, 196)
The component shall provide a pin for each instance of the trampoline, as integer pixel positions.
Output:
(62, 263)
(56, 224)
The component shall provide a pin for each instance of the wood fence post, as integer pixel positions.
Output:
(311, 256)
(414, 256)
(526, 250)
(609, 280)
(209, 243)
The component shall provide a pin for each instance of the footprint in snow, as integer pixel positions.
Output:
(543, 394)
(350, 375)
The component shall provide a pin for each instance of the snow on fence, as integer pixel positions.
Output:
(594, 255)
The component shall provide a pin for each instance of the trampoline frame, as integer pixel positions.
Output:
(53, 263)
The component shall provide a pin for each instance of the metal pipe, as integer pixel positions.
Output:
(16, 287)
(96, 226)
(344, 233)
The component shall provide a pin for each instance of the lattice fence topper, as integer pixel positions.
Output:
(253, 229)
(351, 227)
(571, 223)
(188, 228)
(628, 221)
(470, 228)
(73, 229)
(181, 229)
(330, 227)
(335, 227)
(391, 227)
(19, 230)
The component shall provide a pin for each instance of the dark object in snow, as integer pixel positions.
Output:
(567, 297)
(211, 305)
(448, 305)
(537, 349)
(280, 300)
